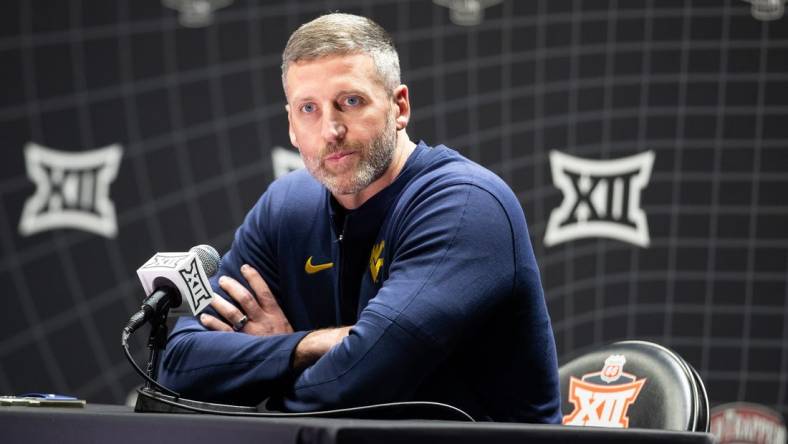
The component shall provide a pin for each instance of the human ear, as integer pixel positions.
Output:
(293, 139)
(402, 103)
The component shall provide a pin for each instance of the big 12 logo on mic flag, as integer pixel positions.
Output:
(184, 271)
(602, 398)
(72, 190)
(601, 198)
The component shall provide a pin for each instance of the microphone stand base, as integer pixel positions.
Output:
(153, 401)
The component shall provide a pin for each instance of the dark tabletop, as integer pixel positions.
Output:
(98, 423)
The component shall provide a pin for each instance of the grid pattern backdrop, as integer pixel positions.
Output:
(197, 111)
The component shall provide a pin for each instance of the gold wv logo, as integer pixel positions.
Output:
(375, 261)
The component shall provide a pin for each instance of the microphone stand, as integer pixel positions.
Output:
(155, 398)
(156, 343)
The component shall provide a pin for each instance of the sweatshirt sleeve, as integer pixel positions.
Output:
(232, 367)
(452, 266)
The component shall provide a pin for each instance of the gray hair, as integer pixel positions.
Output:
(344, 34)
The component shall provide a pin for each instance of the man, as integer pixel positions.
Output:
(390, 271)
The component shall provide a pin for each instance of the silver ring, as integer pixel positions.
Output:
(238, 326)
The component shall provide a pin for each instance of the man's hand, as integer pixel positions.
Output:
(316, 344)
(263, 315)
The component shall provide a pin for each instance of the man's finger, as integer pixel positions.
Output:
(264, 296)
(212, 323)
(240, 294)
(226, 309)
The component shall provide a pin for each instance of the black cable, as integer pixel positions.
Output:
(349, 410)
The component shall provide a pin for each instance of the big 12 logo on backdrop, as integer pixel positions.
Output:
(601, 198)
(72, 190)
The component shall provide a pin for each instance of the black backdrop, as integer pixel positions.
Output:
(198, 112)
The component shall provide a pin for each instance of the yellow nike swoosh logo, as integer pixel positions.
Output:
(312, 269)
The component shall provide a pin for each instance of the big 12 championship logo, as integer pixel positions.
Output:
(602, 398)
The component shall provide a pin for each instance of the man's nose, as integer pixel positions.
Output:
(333, 128)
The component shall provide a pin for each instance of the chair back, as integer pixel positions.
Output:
(633, 384)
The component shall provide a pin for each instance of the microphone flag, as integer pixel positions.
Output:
(184, 272)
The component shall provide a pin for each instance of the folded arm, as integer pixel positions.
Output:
(226, 367)
(222, 365)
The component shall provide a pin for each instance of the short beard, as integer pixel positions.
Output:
(373, 163)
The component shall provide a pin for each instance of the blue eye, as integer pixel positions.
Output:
(308, 108)
(353, 100)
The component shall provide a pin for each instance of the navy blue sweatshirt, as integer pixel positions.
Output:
(437, 275)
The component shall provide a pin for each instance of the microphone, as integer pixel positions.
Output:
(168, 278)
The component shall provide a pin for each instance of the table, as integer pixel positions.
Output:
(98, 423)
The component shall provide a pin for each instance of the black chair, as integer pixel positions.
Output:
(704, 420)
(634, 384)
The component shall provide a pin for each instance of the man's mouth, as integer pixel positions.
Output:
(339, 155)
